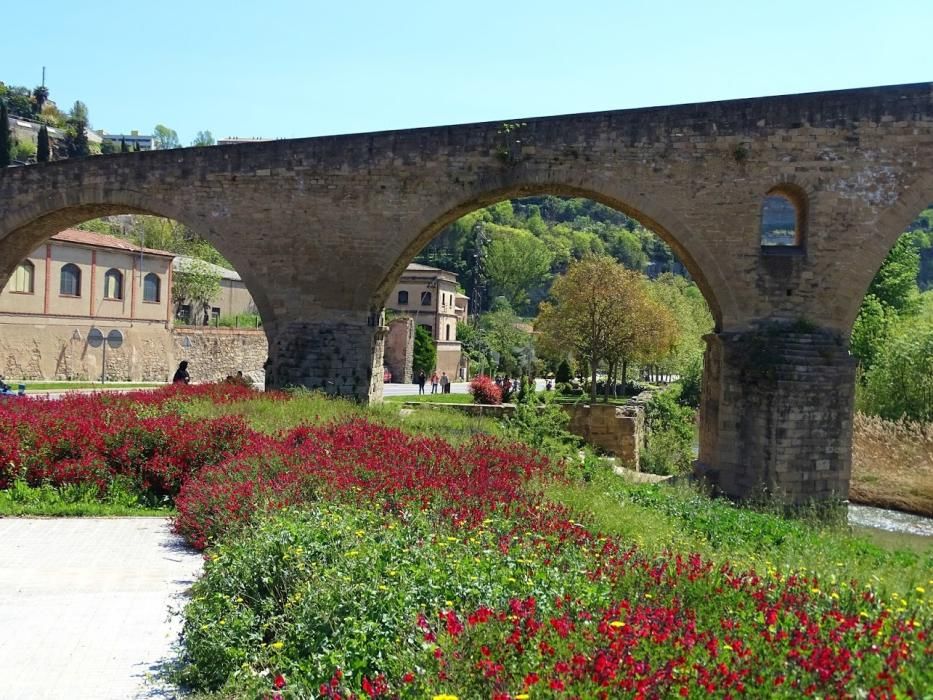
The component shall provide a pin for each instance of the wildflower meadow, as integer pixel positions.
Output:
(349, 558)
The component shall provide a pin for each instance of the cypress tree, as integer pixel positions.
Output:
(136, 147)
(6, 140)
(43, 150)
(78, 145)
(123, 148)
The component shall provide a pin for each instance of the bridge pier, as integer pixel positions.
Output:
(776, 415)
(340, 356)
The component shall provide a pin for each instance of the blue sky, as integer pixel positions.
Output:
(291, 68)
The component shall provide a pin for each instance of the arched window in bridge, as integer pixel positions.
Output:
(24, 278)
(425, 298)
(70, 285)
(402, 298)
(152, 288)
(113, 284)
(782, 218)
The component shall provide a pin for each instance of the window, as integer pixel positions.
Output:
(113, 284)
(24, 278)
(184, 313)
(782, 218)
(448, 332)
(402, 298)
(152, 288)
(425, 298)
(70, 281)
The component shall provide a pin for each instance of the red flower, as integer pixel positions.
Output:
(279, 682)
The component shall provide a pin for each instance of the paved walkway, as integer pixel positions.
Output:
(84, 606)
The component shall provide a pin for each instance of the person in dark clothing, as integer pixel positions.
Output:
(181, 374)
(421, 380)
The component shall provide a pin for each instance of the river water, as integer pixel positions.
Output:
(892, 528)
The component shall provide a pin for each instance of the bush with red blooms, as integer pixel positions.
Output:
(94, 438)
(485, 390)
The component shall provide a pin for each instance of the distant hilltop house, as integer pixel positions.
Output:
(144, 142)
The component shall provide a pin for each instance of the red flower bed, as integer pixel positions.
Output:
(92, 438)
(357, 460)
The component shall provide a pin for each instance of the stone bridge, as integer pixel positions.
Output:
(321, 228)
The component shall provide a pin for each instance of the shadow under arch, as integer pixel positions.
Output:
(22, 231)
(890, 227)
(650, 217)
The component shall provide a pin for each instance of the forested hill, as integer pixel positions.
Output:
(514, 249)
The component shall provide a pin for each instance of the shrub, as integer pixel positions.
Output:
(900, 384)
(670, 430)
(485, 390)
(563, 375)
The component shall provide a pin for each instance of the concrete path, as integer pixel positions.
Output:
(84, 606)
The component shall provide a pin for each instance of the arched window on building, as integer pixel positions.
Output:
(24, 278)
(70, 285)
(425, 298)
(152, 288)
(402, 298)
(113, 284)
(783, 217)
(448, 332)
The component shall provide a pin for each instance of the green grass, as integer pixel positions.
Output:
(270, 415)
(679, 518)
(74, 500)
(70, 386)
(431, 398)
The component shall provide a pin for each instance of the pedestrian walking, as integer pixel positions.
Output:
(181, 374)
(445, 383)
(434, 381)
(421, 380)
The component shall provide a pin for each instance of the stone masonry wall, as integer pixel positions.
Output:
(619, 430)
(400, 349)
(215, 353)
(52, 349)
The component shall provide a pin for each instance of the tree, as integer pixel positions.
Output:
(424, 352)
(79, 113)
(516, 262)
(195, 283)
(76, 143)
(123, 147)
(203, 138)
(900, 384)
(40, 95)
(23, 151)
(165, 138)
(6, 139)
(43, 148)
(599, 311)
(895, 284)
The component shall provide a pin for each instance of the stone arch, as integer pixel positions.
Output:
(689, 247)
(889, 227)
(22, 230)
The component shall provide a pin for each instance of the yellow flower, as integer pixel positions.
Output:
(617, 624)
(521, 696)
(444, 696)
(920, 589)
(277, 645)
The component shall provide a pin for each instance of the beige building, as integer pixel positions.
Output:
(429, 296)
(233, 299)
(81, 280)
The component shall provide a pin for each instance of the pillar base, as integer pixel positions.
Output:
(776, 416)
(340, 358)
